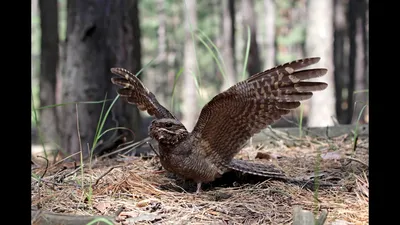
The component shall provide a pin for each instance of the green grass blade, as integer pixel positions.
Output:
(218, 52)
(247, 53)
(98, 124)
(145, 66)
(115, 128)
(195, 52)
(37, 122)
(173, 88)
(101, 219)
(104, 121)
(213, 55)
(196, 82)
(361, 91)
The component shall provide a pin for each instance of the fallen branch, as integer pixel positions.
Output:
(39, 217)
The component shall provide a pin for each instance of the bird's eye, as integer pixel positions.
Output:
(168, 124)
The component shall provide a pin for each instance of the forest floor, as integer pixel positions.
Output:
(136, 190)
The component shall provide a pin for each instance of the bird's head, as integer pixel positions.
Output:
(167, 131)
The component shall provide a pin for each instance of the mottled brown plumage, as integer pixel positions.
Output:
(226, 122)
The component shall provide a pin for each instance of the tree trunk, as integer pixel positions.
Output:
(250, 19)
(48, 68)
(100, 35)
(190, 106)
(319, 42)
(357, 10)
(161, 88)
(365, 22)
(270, 33)
(341, 60)
(228, 48)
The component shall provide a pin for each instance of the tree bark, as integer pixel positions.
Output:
(341, 59)
(270, 33)
(319, 42)
(228, 45)
(190, 106)
(100, 35)
(161, 89)
(48, 68)
(250, 19)
(357, 10)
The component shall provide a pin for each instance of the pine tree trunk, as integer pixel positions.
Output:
(250, 20)
(228, 48)
(357, 10)
(319, 42)
(190, 106)
(100, 35)
(48, 69)
(270, 33)
(341, 59)
(161, 89)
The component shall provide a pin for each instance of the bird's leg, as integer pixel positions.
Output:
(198, 188)
(152, 148)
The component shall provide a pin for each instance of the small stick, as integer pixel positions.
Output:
(357, 160)
(119, 211)
(47, 165)
(108, 171)
(355, 143)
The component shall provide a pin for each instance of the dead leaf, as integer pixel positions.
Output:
(102, 206)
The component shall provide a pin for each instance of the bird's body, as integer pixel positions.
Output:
(181, 153)
(226, 122)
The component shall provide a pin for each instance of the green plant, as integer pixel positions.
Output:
(246, 57)
(100, 219)
(177, 75)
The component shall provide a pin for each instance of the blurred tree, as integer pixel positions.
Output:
(341, 60)
(351, 59)
(358, 63)
(270, 26)
(100, 35)
(250, 19)
(161, 89)
(319, 42)
(290, 30)
(228, 43)
(190, 108)
(48, 68)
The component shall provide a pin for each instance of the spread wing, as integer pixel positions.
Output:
(233, 116)
(135, 92)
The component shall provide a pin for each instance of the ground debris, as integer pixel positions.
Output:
(138, 191)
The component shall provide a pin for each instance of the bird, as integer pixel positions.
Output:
(226, 122)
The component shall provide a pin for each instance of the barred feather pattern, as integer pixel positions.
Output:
(226, 122)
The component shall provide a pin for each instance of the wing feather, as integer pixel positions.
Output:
(135, 92)
(233, 116)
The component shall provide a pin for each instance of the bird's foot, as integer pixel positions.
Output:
(198, 188)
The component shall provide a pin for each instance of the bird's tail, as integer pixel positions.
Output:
(258, 169)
